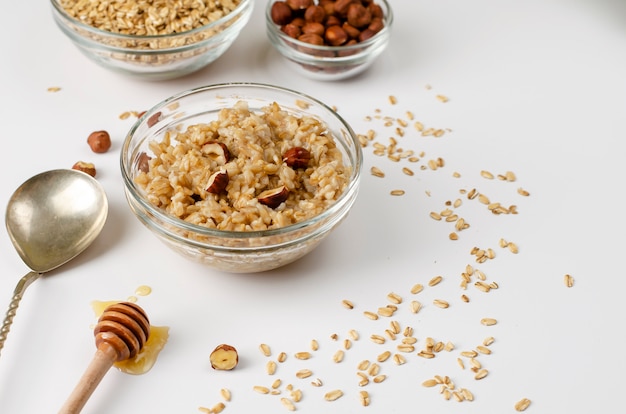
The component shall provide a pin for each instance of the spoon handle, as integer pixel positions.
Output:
(24, 282)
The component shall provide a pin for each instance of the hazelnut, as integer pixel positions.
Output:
(281, 13)
(311, 38)
(292, 30)
(358, 16)
(298, 21)
(218, 182)
(224, 357)
(366, 34)
(376, 25)
(313, 27)
(85, 167)
(352, 31)
(297, 157)
(335, 36)
(333, 21)
(341, 7)
(274, 197)
(154, 118)
(218, 151)
(315, 14)
(376, 11)
(328, 6)
(143, 162)
(99, 141)
(299, 4)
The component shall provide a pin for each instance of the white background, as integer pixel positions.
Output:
(535, 87)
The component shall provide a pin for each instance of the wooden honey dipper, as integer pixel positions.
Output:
(121, 332)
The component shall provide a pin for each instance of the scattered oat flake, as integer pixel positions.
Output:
(261, 389)
(393, 100)
(125, 115)
(365, 398)
(265, 350)
(54, 89)
(396, 192)
(333, 395)
(347, 304)
(569, 281)
(486, 174)
(288, 404)
(522, 404)
(226, 395)
(377, 172)
(435, 281)
(443, 98)
(488, 321)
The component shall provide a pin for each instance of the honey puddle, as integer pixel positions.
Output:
(145, 359)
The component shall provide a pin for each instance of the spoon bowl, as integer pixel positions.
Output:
(51, 218)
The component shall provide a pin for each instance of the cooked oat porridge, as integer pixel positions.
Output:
(246, 170)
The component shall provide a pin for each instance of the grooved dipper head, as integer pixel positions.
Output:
(125, 327)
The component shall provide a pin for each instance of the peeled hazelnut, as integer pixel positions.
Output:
(224, 357)
(218, 182)
(281, 13)
(99, 141)
(335, 36)
(297, 157)
(358, 15)
(274, 197)
(218, 151)
(85, 167)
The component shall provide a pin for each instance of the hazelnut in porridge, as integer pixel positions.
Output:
(246, 170)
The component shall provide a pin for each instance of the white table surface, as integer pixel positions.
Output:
(535, 87)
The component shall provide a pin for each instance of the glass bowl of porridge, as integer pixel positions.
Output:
(242, 177)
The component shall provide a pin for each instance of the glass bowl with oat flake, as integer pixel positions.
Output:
(152, 39)
(242, 177)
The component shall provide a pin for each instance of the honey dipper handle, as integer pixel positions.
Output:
(102, 361)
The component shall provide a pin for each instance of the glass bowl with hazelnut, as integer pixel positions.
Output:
(154, 40)
(242, 177)
(329, 39)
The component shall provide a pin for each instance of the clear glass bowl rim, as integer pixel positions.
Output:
(132, 190)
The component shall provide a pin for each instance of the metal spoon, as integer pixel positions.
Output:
(51, 218)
